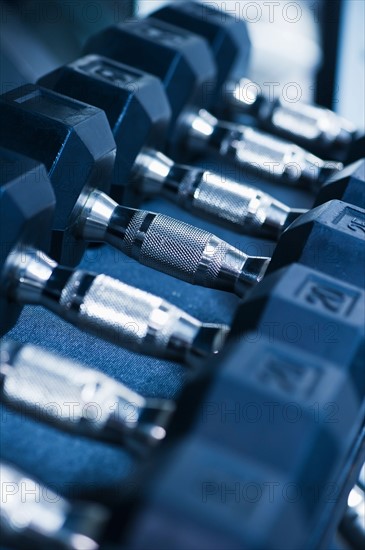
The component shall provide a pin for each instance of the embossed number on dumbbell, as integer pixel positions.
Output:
(161, 33)
(38, 102)
(287, 376)
(357, 225)
(108, 71)
(352, 219)
(335, 299)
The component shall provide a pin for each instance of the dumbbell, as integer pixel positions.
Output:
(32, 378)
(270, 431)
(97, 304)
(319, 130)
(126, 95)
(313, 311)
(33, 516)
(185, 65)
(79, 139)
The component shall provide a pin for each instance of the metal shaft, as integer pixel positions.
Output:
(254, 150)
(318, 129)
(239, 207)
(84, 401)
(33, 516)
(112, 310)
(170, 246)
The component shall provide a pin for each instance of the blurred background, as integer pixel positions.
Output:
(316, 44)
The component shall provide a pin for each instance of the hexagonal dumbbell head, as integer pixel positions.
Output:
(329, 238)
(73, 140)
(347, 185)
(182, 60)
(314, 313)
(25, 223)
(227, 36)
(134, 102)
(252, 420)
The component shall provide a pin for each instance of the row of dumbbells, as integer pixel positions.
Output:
(269, 430)
(74, 142)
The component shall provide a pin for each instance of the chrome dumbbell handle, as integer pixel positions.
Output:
(315, 128)
(34, 516)
(242, 208)
(255, 150)
(78, 399)
(171, 246)
(109, 309)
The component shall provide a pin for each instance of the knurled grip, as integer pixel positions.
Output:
(66, 393)
(76, 398)
(304, 121)
(15, 508)
(32, 515)
(183, 251)
(174, 247)
(272, 156)
(312, 125)
(244, 208)
(127, 316)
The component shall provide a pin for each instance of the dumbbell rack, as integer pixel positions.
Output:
(98, 471)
